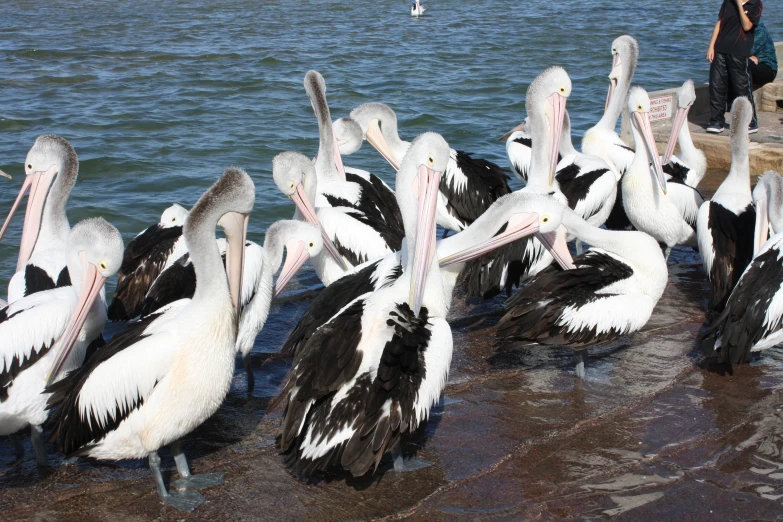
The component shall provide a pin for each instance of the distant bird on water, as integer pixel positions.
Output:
(417, 9)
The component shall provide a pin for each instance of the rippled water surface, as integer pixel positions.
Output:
(158, 98)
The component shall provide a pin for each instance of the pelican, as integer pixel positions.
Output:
(691, 164)
(725, 224)
(508, 266)
(602, 139)
(588, 182)
(260, 264)
(417, 9)
(469, 185)
(507, 220)
(346, 233)
(51, 168)
(372, 373)
(146, 256)
(753, 317)
(45, 335)
(166, 374)
(649, 208)
(611, 292)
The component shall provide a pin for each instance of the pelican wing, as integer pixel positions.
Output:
(28, 329)
(687, 199)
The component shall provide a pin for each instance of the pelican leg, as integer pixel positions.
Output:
(182, 500)
(580, 357)
(401, 465)
(251, 377)
(39, 446)
(18, 446)
(186, 480)
(579, 247)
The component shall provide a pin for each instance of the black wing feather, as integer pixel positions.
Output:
(732, 242)
(486, 182)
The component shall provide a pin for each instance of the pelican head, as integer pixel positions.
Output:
(51, 168)
(379, 127)
(294, 175)
(639, 109)
(301, 241)
(514, 216)
(348, 135)
(94, 254)
(768, 197)
(174, 216)
(625, 53)
(686, 96)
(545, 103)
(419, 176)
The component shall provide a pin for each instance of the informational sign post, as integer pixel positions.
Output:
(661, 107)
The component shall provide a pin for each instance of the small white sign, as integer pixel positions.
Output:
(661, 107)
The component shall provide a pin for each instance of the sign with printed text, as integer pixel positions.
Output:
(661, 107)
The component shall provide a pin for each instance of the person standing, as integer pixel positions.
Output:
(728, 52)
(763, 58)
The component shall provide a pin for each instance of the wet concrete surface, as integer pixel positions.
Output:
(656, 431)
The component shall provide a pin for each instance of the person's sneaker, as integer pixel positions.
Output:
(715, 128)
(753, 128)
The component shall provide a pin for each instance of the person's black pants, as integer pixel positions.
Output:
(729, 79)
(761, 74)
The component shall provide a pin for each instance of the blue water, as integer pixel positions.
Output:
(158, 98)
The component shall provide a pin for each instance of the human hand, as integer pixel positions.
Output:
(755, 60)
(710, 53)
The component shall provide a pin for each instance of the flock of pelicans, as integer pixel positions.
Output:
(371, 355)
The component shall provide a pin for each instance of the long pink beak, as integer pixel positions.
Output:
(426, 187)
(296, 256)
(338, 159)
(557, 104)
(4, 174)
(761, 233)
(38, 183)
(376, 139)
(506, 136)
(306, 209)
(555, 243)
(612, 79)
(91, 288)
(679, 121)
(519, 226)
(234, 225)
(643, 123)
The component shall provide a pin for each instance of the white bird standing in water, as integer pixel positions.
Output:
(417, 9)
(46, 335)
(165, 375)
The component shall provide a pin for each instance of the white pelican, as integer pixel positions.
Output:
(753, 317)
(45, 335)
(51, 168)
(417, 9)
(725, 224)
(588, 182)
(507, 220)
(511, 264)
(260, 264)
(373, 372)
(165, 375)
(690, 165)
(671, 219)
(352, 237)
(611, 292)
(371, 225)
(146, 256)
(469, 185)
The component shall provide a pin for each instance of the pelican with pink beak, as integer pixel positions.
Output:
(51, 169)
(374, 370)
(45, 335)
(163, 376)
(690, 165)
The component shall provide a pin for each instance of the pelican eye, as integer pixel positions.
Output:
(545, 219)
(614, 50)
(562, 89)
(29, 166)
(639, 108)
(430, 160)
(311, 245)
(103, 265)
(292, 184)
